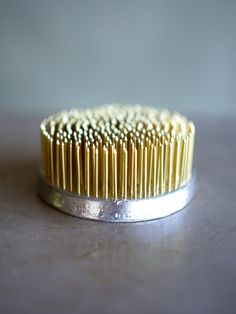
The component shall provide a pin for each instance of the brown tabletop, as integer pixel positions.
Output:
(53, 263)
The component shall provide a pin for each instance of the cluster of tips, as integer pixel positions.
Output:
(117, 151)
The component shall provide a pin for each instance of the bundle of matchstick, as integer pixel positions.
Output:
(117, 151)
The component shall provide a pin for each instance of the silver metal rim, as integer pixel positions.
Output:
(117, 210)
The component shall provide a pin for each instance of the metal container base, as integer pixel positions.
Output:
(117, 210)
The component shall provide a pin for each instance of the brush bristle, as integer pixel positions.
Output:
(117, 151)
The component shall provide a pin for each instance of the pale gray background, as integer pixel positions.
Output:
(57, 54)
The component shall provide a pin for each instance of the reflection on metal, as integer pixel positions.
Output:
(111, 210)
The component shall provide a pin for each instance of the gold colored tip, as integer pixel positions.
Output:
(117, 151)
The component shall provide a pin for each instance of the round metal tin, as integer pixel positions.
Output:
(111, 210)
